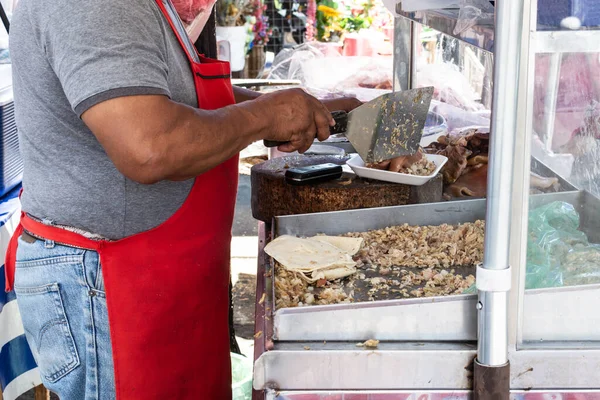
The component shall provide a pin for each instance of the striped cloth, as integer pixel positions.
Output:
(18, 370)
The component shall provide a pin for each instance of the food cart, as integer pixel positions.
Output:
(530, 329)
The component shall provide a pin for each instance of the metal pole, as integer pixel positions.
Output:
(402, 53)
(492, 348)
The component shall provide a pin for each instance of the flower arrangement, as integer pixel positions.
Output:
(258, 23)
(329, 20)
(229, 12)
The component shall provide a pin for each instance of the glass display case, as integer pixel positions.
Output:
(532, 79)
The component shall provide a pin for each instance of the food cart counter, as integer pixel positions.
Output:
(513, 313)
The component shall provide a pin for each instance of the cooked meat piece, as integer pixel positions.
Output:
(457, 162)
(539, 182)
(471, 184)
(415, 164)
(481, 159)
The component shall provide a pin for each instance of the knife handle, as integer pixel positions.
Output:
(341, 123)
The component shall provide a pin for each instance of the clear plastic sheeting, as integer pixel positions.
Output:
(473, 12)
(558, 253)
(241, 377)
(451, 86)
(327, 74)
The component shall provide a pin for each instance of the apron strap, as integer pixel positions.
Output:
(168, 10)
(10, 258)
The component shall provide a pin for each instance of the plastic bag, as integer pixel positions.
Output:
(194, 14)
(327, 74)
(451, 86)
(555, 241)
(457, 118)
(582, 266)
(473, 12)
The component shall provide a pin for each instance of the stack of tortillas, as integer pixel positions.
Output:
(319, 257)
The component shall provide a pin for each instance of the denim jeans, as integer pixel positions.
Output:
(60, 294)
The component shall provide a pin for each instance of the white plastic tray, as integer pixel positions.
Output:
(358, 166)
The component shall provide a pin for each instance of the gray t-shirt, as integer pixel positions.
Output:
(69, 55)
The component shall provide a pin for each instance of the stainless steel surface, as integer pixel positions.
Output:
(424, 395)
(562, 314)
(340, 222)
(451, 318)
(403, 60)
(521, 183)
(444, 21)
(492, 347)
(455, 212)
(248, 83)
(345, 366)
(390, 125)
(555, 369)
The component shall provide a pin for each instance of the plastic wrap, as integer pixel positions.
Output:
(473, 12)
(327, 74)
(241, 377)
(558, 253)
(451, 86)
(457, 118)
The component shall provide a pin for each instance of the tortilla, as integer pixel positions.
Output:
(346, 244)
(315, 258)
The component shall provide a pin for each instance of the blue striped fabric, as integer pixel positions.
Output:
(15, 360)
(18, 371)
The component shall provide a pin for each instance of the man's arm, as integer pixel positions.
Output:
(342, 104)
(151, 138)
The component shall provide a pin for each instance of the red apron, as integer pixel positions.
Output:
(167, 288)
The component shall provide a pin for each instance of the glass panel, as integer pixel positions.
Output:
(563, 250)
(460, 72)
(568, 14)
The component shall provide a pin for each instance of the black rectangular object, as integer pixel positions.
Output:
(313, 174)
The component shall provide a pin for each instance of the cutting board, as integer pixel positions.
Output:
(272, 196)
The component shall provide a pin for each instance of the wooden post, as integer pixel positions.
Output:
(41, 393)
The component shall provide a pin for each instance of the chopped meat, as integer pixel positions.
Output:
(396, 262)
(415, 164)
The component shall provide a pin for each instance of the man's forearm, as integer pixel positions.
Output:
(185, 154)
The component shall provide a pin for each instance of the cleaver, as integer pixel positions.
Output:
(387, 127)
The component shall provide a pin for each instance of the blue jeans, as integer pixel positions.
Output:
(60, 293)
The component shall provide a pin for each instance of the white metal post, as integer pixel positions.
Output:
(493, 299)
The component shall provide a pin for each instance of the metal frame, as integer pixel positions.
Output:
(317, 365)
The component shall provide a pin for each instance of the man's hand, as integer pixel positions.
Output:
(343, 104)
(296, 118)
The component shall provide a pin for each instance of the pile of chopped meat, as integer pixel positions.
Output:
(423, 246)
(395, 263)
(415, 164)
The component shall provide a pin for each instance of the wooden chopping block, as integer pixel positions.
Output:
(272, 196)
